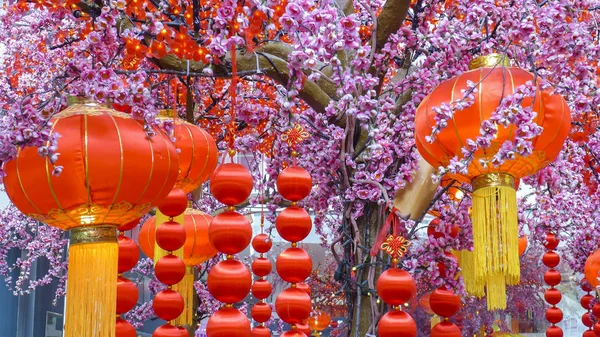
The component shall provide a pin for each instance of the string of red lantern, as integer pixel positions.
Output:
(127, 292)
(168, 304)
(586, 303)
(294, 264)
(229, 281)
(552, 278)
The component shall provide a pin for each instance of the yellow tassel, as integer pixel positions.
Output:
(160, 219)
(186, 289)
(473, 286)
(495, 235)
(91, 282)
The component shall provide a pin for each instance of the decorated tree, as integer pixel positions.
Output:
(349, 73)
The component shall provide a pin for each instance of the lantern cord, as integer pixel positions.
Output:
(91, 291)
(186, 289)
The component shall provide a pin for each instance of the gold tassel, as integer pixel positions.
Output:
(473, 286)
(160, 219)
(186, 289)
(91, 282)
(495, 235)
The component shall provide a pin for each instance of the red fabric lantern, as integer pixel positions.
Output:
(229, 281)
(293, 224)
(174, 204)
(585, 285)
(586, 320)
(445, 329)
(589, 333)
(554, 331)
(293, 305)
(166, 330)
(231, 184)
(294, 183)
(170, 236)
(395, 286)
(261, 289)
(261, 312)
(319, 320)
(261, 331)
(591, 268)
(169, 269)
(294, 265)
(262, 243)
(228, 322)
(442, 265)
(551, 242)
(551, 259)
(396, 324)
(554, 315)
(552, 296)
(168, 304)
(261, 266)
(304, 328)
(444, 302)
(597, 328)
(124, 329)
(522, 244)
(586, 302)
(596, 309)
(127, 295)
(552, 277)
(432, 229)
(230, 232)
(129, 254)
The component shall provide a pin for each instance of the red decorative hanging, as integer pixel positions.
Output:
(261, 289)
(127, 292)
(229, 281)
(586, 304)
(552, 277)
(294, 265)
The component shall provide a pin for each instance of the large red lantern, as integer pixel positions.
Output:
(229, 281)
(113, 173)
(494, 193)
(228, 322)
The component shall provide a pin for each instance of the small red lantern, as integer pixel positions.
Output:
(396, 324)
(395, 286)
(229, 281)
(228, 322)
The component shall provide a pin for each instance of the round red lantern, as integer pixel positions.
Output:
(229, 281)
(261, 266)
(432, 230)
(261, 289)
(552, 277)
(395, 286)
(396, 324)
(585, 285)
(261, 331)
(166, 330)
(586, 320)
(551, 242)
(445, 329)
(294, 265)
(304, 287)
(293, 224)
(231, 184)
(552, 296)
(589, 333)
(319, 320)
(522, 244)
(554, 315)
(262, 243)
(591, 268)
(168, 304)
(444, 302)
(127, 295)
(596, 309)
(174, 204)
(554, 331)
(586, 301)
(169, 269)
(129, 254)
(304, 328)
(230, 232)
(228, 322)
(170, 236)
(124, 329)
(293, 305)
(551, 259)
(294, 183)
(261, 312)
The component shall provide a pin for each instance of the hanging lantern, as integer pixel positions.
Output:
(586, 304)
(522, 245)
(319, 320)
(127, 292)
(101, 151)
(261, 289)
(495, 232)
(552, 296)
(592, 267)
(230, 281)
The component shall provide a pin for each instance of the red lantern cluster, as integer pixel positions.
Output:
(294, 264)
(229, 281)
(127, 292)
(261, 289)
(444, 302)
(396, 287)
(586, 303)
(552, 278)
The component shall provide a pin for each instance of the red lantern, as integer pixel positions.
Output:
(591, 268)
(293, 305)
(586, 320)
(589, 333)
(294, 265)
(124, 329)
(552, 277)
(261, 312)
(261, 289)
(228, 322)
(586, 301)
(230, 232)
(293, 333)
(444, 302)
(319, 320)
(294, 183)
(551, 241)
(432, 230)
(596, 309)
(304, 328)
(261, 331)
(293, 224)
(552, 296)
(396, 324)
(168, 304)
(170, 236)
(127, 295)
(554, 315)
(169, 269)
(395, 286)
(261, 266)
(166, 330)
(445, 329)
(522, 245)
(585, 285)
(262, 243)
(229, 281)
(304, 287)
(597, 328)
(551, 259)
(231, 184)
(554, 331)
(174, 204)
(129, 254)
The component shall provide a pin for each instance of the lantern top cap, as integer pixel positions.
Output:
(490, 60)
(166, 114)
(74, 99)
